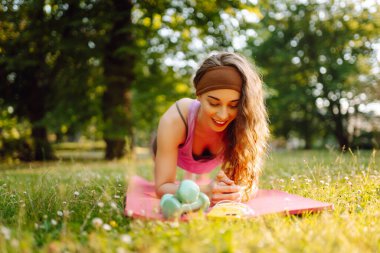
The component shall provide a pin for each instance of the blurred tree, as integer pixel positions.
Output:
(315, 57)
(116, 42)
(44, 65)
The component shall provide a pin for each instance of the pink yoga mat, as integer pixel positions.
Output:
(142, 202)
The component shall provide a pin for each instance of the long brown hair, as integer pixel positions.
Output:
(246, 137)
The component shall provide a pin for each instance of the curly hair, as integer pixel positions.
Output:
(247, 136)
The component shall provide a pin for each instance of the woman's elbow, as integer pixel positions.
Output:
(159, 191)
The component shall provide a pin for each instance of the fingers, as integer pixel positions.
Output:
(220, 197)
(222, 188)
(230, 196)
(222, 177)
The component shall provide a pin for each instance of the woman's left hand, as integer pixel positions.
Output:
(224, 188)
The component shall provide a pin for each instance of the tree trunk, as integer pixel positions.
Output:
(307, 125)
(119, 62)
(114, 148)
(37, 79)
(42, 149)
(41, 146)
(340, 131)
(341, 136)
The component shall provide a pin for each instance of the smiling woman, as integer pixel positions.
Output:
(225, 125)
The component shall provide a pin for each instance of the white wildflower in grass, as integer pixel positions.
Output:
(100, 204)
(322, 182)
(129, 213)
(113, 205)
(120, 250)
(346, 178)
(53, 222)
(349, 183)
(107, 227)
(125, 238)
(174, 224)
(307, 181)
(97, 222)
(292, 179)
(64, 202)
(116, 196)
(6, 232)
(60, 213)
(76, 193)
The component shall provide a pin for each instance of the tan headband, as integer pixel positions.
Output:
(220, 77)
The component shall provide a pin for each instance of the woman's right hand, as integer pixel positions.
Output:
(223, 188)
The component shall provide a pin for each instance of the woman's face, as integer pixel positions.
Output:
(218, 108)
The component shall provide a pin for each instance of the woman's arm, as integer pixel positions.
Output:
(170, 134)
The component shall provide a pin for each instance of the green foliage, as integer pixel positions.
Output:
(78, 206)
(47, 69)
(14, 136)
(317, 57)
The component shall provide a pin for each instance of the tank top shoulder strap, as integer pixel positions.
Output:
(183, 118)
(193, 112)
(191, 116)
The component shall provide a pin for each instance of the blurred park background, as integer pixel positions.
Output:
(96, 75)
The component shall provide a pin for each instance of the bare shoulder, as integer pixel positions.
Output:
(184, 105)
(171, 124)
(172, 115)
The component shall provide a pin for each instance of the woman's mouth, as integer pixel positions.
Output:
(219, 123)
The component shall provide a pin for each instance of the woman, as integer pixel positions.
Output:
(226, 125)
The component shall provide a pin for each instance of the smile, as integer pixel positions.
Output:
(219, 123)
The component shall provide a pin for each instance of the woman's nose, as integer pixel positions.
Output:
(222, 113)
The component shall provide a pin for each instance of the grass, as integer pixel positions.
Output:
(77, 206)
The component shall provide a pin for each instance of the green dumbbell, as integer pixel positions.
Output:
(188, 192)
(170, 206)
(203, 202)
(188, 198)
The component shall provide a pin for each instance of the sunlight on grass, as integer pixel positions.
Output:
(78, 206)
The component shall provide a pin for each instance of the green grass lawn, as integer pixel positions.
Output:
(77, 206)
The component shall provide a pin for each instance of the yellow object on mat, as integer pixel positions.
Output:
(230, 210)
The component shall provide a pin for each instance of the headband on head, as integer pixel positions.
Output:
(220, 77)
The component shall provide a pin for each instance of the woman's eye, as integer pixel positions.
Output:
(212, 104)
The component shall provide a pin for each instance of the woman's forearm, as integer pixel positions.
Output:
(165, 188)
(206, 189)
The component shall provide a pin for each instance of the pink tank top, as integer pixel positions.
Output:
(185, 152)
